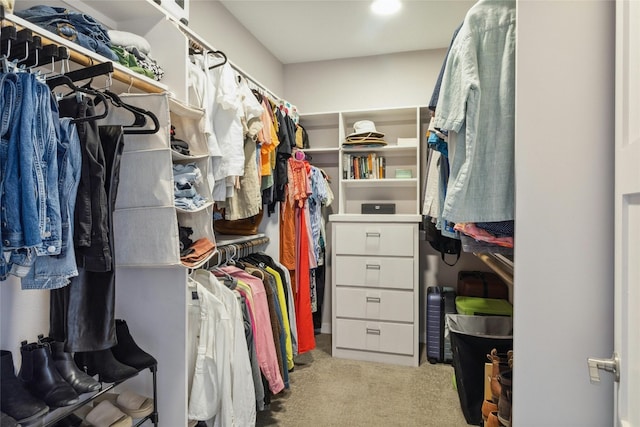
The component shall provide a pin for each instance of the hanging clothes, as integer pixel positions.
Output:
(240, 390)
(265, 346)
(280, 288)
(82, 315)
(247, 198)
(211, 386)
(299, 189)
(481, 60)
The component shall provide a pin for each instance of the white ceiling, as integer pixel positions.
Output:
(317, 30)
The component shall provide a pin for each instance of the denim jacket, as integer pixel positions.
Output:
(10, 108)
(52, 272)
(39, 170)
(31, 223)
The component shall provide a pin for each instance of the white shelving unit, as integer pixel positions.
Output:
(374, 257)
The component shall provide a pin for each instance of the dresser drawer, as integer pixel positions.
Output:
(375, 336)
(374, 239)
(374, 272)
(396, 306)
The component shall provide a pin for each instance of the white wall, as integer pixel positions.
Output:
(212, 22)
(23, 315)
(383, 81)
(564, 212)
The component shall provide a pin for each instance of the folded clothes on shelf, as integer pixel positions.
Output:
(198, 252)
(76, 27)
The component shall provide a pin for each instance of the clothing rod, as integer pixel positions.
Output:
(237, 249)
(194, 38)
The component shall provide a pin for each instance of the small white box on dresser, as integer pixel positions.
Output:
(407, 142)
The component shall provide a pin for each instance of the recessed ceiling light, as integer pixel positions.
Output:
(385, 7)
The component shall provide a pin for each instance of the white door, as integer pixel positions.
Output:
(627, 213)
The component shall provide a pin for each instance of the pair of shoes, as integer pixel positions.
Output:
(105, 414)
(41, 378)
(500, 363)
(117, 363)
(66, 366)
(15, 399)
(132, 404)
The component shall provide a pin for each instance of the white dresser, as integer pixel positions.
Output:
(375, 288)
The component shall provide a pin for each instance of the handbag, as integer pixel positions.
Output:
(241, 227)
(442, 244)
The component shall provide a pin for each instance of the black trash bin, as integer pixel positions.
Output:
(472, 338)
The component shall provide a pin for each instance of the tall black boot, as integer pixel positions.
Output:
(128, 352)
(41, 378)
(15, 400)
(67, 368)
(105, 365)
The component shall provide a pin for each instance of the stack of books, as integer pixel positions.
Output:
(370, 166)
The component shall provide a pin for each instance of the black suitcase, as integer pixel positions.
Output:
(440, 301)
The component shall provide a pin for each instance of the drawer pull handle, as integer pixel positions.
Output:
(373, 331)
(373, 299)
(372, 234)
(373, 266)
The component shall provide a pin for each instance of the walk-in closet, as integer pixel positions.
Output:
(236, 213)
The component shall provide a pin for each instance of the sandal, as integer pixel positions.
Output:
(104, 414)
(130, 403)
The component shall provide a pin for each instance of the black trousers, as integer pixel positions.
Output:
(82, 314)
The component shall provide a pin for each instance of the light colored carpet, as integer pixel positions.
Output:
(326, 391)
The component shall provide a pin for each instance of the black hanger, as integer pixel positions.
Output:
(81, 74)
(64, 80)
(140, 116)
(220, 53)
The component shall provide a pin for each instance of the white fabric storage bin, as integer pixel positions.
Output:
(200, 221)
(146, 237)
(188, 123)
(201, 224)
(146, 179)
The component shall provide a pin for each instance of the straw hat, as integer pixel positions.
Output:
(365, 132)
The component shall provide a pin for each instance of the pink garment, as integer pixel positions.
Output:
(481, 235)
(265, 347)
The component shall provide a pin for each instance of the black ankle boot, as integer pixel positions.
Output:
(15, 400)
(103, 363)
(128, 352)
(41, 378)
(67, 368)
(7, 421)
